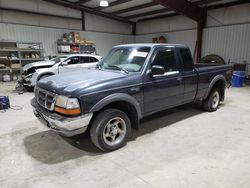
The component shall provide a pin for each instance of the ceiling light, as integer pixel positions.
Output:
(104, 3)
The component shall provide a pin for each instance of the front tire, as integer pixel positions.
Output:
(212, 102)
(110, 129)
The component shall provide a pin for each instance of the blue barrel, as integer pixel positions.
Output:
(238, 78)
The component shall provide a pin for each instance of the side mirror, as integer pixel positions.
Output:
(157, 70)
(65, 63)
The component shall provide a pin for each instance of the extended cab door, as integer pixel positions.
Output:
(165, 90)
(189, 75)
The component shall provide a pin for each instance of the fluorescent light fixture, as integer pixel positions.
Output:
(104, 3)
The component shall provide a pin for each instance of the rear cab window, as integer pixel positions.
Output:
(187, 59)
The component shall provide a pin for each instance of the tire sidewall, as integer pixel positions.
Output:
(99, 125)
(210, 101)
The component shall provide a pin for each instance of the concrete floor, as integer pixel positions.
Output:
(182, 147)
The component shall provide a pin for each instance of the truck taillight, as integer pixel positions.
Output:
(229, 73)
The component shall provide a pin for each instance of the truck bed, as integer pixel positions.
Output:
(207, 72)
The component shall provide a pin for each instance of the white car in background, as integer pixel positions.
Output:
(71, 63)
(32, 67)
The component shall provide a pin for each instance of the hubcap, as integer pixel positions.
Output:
(215, 99)
(114, 131)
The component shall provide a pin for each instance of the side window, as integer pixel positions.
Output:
(85, 59)
(166, 59)
(186, 59)
(92, 59)
(73, 60)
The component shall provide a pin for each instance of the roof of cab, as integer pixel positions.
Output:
(152, 45)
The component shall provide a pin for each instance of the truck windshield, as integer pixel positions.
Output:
(128, 59)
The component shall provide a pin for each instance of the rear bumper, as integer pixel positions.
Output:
(67, 126)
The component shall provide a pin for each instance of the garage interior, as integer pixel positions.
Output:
(179, 147)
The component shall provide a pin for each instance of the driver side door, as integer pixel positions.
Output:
(165, 90)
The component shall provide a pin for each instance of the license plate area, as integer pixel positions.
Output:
(41, 118)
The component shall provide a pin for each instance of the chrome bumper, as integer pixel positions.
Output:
(67, 126)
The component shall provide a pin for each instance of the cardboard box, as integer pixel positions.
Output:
(64, 48)
(76, 36)
(15, 66)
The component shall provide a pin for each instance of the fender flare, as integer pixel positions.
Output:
(118, 97)
(212, 83)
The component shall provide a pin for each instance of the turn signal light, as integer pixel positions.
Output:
(70, 112)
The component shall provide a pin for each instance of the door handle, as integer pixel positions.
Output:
(179, 79)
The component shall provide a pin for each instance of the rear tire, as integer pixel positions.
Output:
(212, 102)
(110, 129)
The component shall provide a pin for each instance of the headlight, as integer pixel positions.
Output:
(67, 106)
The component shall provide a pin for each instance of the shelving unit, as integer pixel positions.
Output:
(14, 55)
(72, 43)
(74, 48)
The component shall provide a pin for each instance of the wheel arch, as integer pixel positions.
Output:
(123, 102)
(219, 81)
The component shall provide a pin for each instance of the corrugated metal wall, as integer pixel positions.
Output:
(230, 42)
(49, 36)
(187, 37)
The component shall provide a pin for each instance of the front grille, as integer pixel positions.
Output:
(45, 98)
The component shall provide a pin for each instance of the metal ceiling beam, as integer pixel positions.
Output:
(159, 17)
(38, 13)
(202, 2)
(205, 2)
(183, 7)
(80, 2)
(88, 10)
(135, 8)
(151, 4)
(234, 3)
(148, 13)
(112, 4)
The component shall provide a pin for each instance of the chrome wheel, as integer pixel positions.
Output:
(215, 99)
(114, 131)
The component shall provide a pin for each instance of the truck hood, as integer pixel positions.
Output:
(38, 64)
(71, 83)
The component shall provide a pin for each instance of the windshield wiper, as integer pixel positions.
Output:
(118, 68)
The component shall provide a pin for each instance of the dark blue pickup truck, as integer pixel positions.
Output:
(131, 82)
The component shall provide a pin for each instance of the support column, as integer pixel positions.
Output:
(200, 25)
(83, 21)
(199, 41)
(134, 28)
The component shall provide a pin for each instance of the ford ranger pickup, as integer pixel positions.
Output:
(131, 82)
